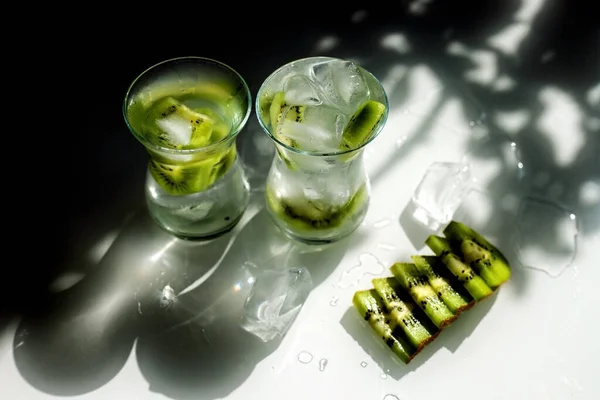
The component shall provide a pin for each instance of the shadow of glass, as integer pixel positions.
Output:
(80, 338)
(450, 339)
(196, 346)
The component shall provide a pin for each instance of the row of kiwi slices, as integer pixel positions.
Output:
(197, 174)
(409, 309)
(361, 126)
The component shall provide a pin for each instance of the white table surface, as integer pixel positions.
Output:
(537, 195)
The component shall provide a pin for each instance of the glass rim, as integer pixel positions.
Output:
(317, 153)
(211, 146)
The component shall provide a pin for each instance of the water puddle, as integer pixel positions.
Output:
(323, 364)
(400, 142)
(546, 238)
(386, 246)
(305, 357)
(333, 301)
(368, 264)
(381, 224)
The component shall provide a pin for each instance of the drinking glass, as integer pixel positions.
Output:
(188, 112)
(321, 113)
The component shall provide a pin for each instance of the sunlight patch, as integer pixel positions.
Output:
(504, 83)
(359, 16)
(485, 61)
(65, 281)
(394, 77)
(418, 7)
(589, 193)
(509, 39)
(99, 249)
(593, 96)
(529, 9)
(513, 121)
(327, 43)
(560, 122)
(397, 42)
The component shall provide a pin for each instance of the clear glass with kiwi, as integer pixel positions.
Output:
(188, 112)
(321, 113)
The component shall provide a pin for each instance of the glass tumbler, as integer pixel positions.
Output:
(321, 113)
(188, 112)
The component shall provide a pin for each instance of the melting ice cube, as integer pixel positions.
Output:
(343, 84)
(177, 129)
(440, 193)
(299, 90)
(275, 300)
(313, 128)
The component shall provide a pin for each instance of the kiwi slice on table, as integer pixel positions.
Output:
(403, 313)
(362, 124)
(456, 298)
(422, 293)
(472, 282)
(477, 251)
(442, 286)
(170, 112)
(371, 308)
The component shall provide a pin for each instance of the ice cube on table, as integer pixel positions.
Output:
(440, 193)
(318, 129)
(299, 90)
(342, 83)
(275, 300)
(177, 129)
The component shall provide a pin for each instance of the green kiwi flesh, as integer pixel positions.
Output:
(362, 124)
(305, 215)
(371, 308)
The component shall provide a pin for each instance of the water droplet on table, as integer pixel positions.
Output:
(386, 246)
(363, 364)
(322, 364)
(333, 301)
(305, 357)
(400, 142)
(546, 237)
(383, 375)
(368, 264)
(390, 397)
(381, 224)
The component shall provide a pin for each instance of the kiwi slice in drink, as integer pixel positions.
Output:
(207, 127)
(279, 109)
(220, 129)
(174, 125)
(305, 215)
(362, 124)
(178, 179)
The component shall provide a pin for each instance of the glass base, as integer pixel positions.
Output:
(320, 237)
